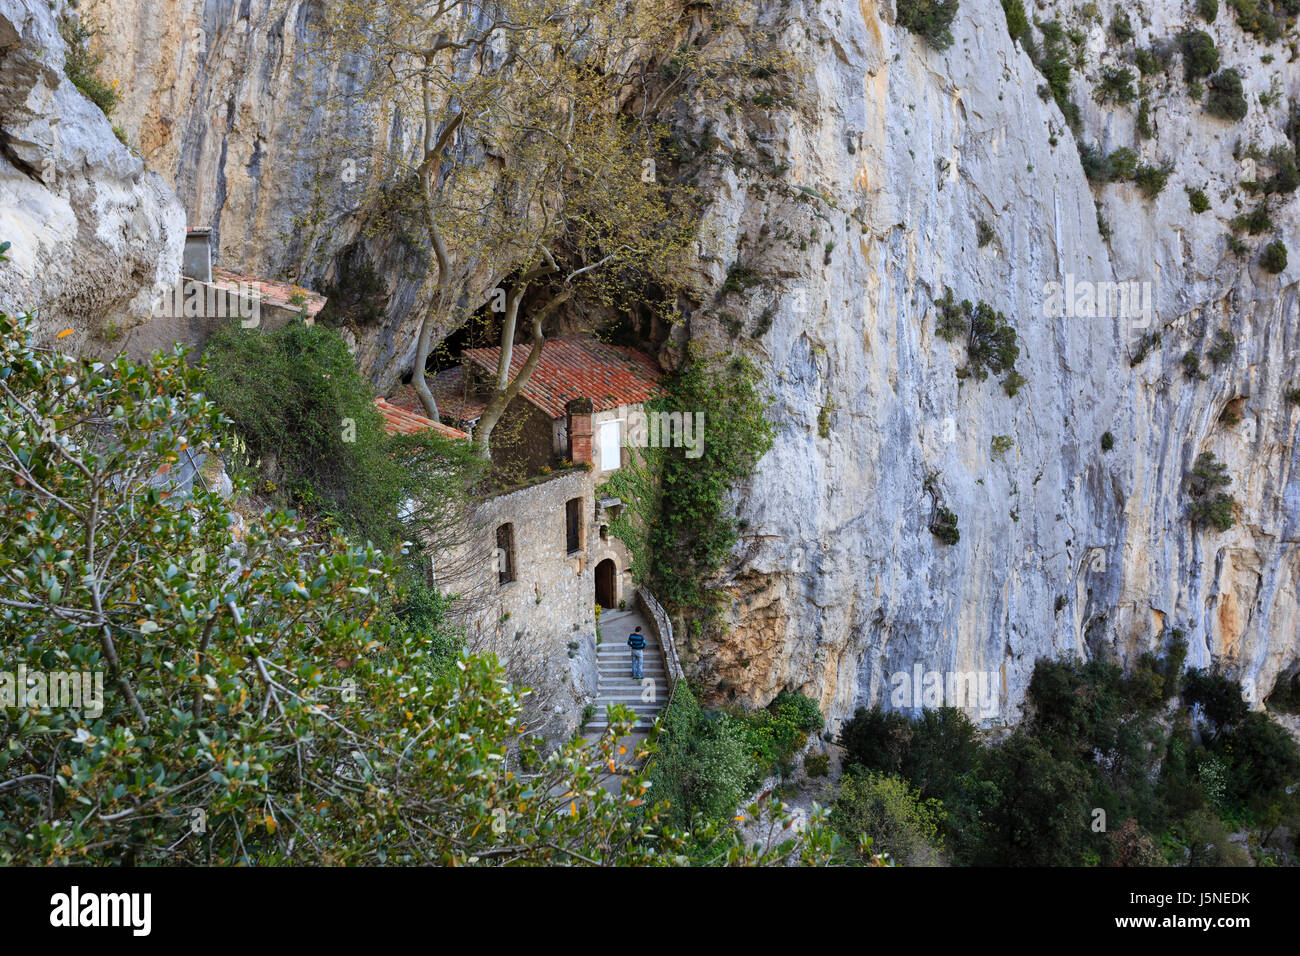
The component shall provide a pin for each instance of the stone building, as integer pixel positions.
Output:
(204, 298)
(533, 434)
(542, 556)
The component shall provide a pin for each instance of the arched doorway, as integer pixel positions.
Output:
(606, 594)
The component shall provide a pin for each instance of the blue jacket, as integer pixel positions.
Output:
(636, 641)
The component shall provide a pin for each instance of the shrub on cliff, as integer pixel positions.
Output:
(82, 67)
(1017, 21)
(1226, 98)
(931, 19)
(1208, 504)
(1200, 55)
(1273, 258)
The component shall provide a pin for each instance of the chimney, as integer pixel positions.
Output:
(579, 414)
(197, 260)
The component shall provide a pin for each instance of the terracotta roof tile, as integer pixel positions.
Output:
(272, 293)
(579, 366)
(449, 391)
(400, 421)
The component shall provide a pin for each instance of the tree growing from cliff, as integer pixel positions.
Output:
(539, 163)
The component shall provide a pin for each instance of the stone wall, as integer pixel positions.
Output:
(542, 624)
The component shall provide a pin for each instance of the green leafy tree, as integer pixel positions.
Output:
(898, 821)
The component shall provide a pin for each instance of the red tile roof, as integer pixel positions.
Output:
(579, 366)
(449, 390)
(400, 421)
(272, 293)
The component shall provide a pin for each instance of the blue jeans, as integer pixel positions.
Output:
(636, 663)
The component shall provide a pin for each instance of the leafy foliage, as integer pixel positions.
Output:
(1227, 98)
(1200, 55)
(1094, 739)
(931, 19)
(897, 820)
(990, 339)
(1208, 504)
(81, 66)
(1017, 21)
(306, 416)
(1273, 258)
(260, 709)
(694, 531)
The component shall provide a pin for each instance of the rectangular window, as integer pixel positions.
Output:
(573, 525)
(505, 557)
(611, 450)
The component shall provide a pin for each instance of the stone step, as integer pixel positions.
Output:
(623, 675)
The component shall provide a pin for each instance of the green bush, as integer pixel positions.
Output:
(1256, 221)
(1093, 738)
(308, 421)
(1053, 61)
(817, 765)
(1258, 17)
(776, 733)
(952, 319)
(1143, 119)
(1262, 760)
(1224, 346)
(1207, 9)
(944, 526)
(1116, 85)
(1017, 22)
(1197, 199)
(1286, 175)
(1273, 258)
(82, 67)
(690, 527)
(701, 764)
(1226, 98)
(1121, 28)
(1208, 505)
(931, 19)
(1200, 55)
(893, 815)
(1107, 441)
(1150, 180)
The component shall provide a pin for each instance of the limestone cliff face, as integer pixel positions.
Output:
(226, 99)
(1064, 548)
(93, 231)
(855, 206)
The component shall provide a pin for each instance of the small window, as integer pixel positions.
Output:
(505, 554)
(611, 448)
(573, 525)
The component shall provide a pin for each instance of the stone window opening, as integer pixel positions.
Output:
(505, 554)
(573, 525)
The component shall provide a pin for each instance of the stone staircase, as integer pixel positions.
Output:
(615, 684)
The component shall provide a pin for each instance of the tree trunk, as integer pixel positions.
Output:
(430, 170)
(506, 390)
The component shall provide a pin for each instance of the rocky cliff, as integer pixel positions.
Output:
(1064, 547)
(93, 230)
(892, 171)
